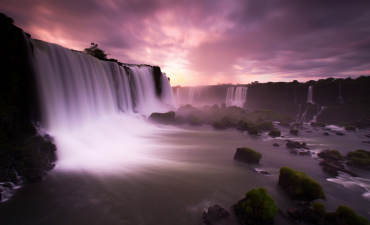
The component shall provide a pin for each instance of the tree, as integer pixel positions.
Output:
(96, 52)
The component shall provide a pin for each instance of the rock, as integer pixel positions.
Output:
(366, 142)
(305, 153)
(293, 151)
(163, 118)
(295, 144)
(337, 166)
(339, 133)
(247, 155)
(326, 129)
(326, 134)
(9, 185)
(327, 154)
(294, 213)
(276, 145)
(264, 172)
(294, 131)
(310, 216)
(330, 170)
(215, 213)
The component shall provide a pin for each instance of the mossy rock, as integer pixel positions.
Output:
(266, 125)
(276, 145)
(275, 133)
(247, 155)
(243, 126)
(349, 216)
(254, 130)
(294, 131)
(299, 186)
(163, 118)
(319, 208)
(359, 159)
(258, 207)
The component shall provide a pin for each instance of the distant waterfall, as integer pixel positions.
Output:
(340, 99)
(299, 111)
(191, 94)
(322, 108)
(178, 94)
(237, 97)
(303, 118)
(310, 95)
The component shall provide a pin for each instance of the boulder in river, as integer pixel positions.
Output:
(296, 144)
(294, 213)
(339, 133)
(359, 159)
(331, 154)
(247, 155)
(326, 134)
(335, 165)
(215, 214)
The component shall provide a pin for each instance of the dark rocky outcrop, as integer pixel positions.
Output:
(335, 166)
(275, 133)
(163, 118)
(247, 155)
(326, 134)
(339, 133)
(331, 154)
(309, 215)
(359, 159)
(276, 145)
(215, 214)
(294, 213)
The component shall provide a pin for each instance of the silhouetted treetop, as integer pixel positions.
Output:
(96, 52)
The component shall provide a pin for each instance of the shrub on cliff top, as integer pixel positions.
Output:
(260, 204)
(304, 186)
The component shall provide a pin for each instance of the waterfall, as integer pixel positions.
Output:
(191, 94)
(299, 111)
(304, 114)
(340, 99)
(322, 108)
(310, 95)
(237, 98)
(90, 106)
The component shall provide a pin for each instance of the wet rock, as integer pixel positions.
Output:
(330, 170)
(264, 172)
(328, 154)
(294, 151)
(276, 145)
(215, 213)
(310, 216)
(339, 133)
(305, 153)
(247, 155)
(326, 134)
(294, 213)
(337, 166)
(9, 185)
(295, 144)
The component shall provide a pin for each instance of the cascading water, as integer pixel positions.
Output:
(237, 98)
(304, 114)
(310, 95)
(88, 106)
(340, 99)
(191, 94)
(322, 108)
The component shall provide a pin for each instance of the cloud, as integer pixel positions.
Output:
(211, 41)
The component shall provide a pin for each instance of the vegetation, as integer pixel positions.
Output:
(275, 133)
(336, 152)
(96, 52)
(254, 130)
(299, 186)
(259, 203)
(247, 155)
(284, 124)
(319, 208)
(350, 128)
(359, 158)
(348, 215)
(294, 131)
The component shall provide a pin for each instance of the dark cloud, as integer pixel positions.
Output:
(212, 40)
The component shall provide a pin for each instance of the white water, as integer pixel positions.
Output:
(191, 94)
(88, 106)
(303, 118)
(310, 95)
(237, 98)
(322, 108)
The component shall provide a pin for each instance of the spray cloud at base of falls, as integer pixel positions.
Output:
(236, 96)
(90, 106)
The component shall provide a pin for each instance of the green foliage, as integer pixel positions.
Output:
(284, 124)
(304, 144)
(243, 126)
(319, 208)
(260, 204)
(303, 184)
(193, 120)
(266, 125)
(218, 126)
(360, 161)
(336, 152)
(260, 120)
(348, 215)
(350, 128)
(96, 52)
(253, 154)
(275, 133)
(359, 153)
(294, 131)
(254, 130)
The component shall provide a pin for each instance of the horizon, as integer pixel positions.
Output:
(212, 41)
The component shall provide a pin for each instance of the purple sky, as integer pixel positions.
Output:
(199, 42)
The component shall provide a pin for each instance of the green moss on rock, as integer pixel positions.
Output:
(247, 155)
(275, 133)
(299, 186)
